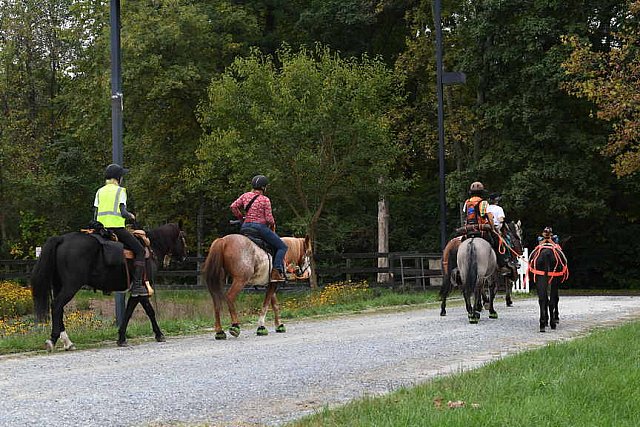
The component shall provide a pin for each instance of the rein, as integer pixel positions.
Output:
(503, 245)
(560, 259)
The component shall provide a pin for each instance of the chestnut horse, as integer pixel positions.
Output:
(449, 268)
(297, 260)
(236, 257)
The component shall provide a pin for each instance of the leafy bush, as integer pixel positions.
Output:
(15, 300)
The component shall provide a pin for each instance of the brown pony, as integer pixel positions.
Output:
(297, 260)
(236, 257)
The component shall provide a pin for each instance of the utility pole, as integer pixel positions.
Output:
(443, 208)
(116, 116)
(442, 79)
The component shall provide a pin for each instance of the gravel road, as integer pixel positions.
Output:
(256, 381)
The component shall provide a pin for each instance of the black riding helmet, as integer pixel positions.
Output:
(114, 171)
(259, 182)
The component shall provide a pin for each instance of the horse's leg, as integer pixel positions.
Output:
(151, 314)
(553, 304)
(128, 312)
(508, 285)
(57, 322)
(445, 288)
(477, 302)
(217, 306)
(276, 312)
(262, 330)
(493, 290)
(232, 294)
(467, 302)
(541, 286)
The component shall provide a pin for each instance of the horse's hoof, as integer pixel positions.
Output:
(48, 344)
(281, 329)
(443, 313)
(221, 335)
(122, 344)
(235, 330)
(509, 303)
(262, 331)
(70, 348)
(473, 320)
(493, 315)
(542, 329)
(553, 326)
(161, 338)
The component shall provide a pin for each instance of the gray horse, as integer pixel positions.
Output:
(477, 268)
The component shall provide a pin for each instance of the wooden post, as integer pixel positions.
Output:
(383, 235)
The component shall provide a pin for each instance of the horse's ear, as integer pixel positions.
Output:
(307, 241)
(519, 223)
(180, 224)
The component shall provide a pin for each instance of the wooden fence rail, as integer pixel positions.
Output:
(409, 269)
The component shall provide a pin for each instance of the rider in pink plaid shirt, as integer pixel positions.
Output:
(259, 217)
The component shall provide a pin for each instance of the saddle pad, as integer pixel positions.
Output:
(254, 236)
(111, 251)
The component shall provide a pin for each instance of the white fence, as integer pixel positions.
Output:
(522, 284)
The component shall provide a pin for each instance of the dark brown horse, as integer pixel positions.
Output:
(511, 241)
(548, 268)
(76, 259)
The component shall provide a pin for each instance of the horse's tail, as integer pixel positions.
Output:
(42, 278)
(213, 270)
(471, 267)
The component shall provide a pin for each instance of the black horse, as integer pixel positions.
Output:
(548, 267)
(513, 231)
(73, 260)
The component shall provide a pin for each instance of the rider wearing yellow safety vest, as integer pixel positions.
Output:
(110, 209)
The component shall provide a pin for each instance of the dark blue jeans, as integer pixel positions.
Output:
(274, 240)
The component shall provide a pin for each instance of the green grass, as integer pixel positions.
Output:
(592, 381)
(90, 317)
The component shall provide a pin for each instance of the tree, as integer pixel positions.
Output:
(316, 124)
(611, 80)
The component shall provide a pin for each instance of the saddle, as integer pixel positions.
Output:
(113, 252)
(474, 230)
(255, 237)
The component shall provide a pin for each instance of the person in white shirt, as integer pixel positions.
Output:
(507, 267)
(496, 211)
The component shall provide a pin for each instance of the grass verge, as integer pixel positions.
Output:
(591, 381)
(90, 317)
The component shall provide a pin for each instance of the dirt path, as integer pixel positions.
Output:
(251, 381)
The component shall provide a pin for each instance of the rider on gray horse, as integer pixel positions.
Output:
(479, 222)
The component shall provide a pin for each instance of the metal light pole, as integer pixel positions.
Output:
(116, 116)
(442, 79)
(443, 207)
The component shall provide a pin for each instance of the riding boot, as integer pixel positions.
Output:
(137, 287)
(277, 276)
